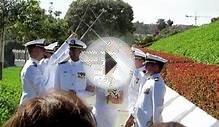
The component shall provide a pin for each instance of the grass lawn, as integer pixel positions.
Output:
(201, 44)
(10, 91)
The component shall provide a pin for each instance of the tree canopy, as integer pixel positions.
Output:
(32, 23)
(116, 18)
(161, 24)
(24, 20)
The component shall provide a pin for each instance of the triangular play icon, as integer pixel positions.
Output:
(109, 63)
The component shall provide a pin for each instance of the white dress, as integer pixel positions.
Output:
(104, 113)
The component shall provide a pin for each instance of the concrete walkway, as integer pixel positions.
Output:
(122, 113)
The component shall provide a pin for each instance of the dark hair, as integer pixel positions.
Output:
(160, 64)
(30, 48)
(58, 109)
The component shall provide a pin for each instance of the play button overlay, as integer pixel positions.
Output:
(108, 63)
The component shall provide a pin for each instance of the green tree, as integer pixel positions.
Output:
(32, 23)
(24, 21)
(169, 22)
(7, 16)
(161, 24)
(57, 13)
(116, 20)
(54, 29)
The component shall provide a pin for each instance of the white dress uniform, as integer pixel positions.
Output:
(104, 113)
(137, 79)
(32, 79)
(133, 89)
(49, 65)
(151, 96)
(71, 75)
(150, 101)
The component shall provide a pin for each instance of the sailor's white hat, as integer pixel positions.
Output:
(75, 43)
(37, 43)
(153, 58)
(51, 47)
(138, 52)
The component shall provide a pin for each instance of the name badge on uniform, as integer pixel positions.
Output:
(81, 75)
(147, 91)
(65, 73)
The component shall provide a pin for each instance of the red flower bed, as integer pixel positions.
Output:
(197, 82)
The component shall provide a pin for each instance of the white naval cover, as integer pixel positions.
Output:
(179, 109)
(35, 42)
(51, 46)
(138, 52)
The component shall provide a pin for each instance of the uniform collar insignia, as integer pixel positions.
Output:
(156, 78)
(147, 91)
(35, 64)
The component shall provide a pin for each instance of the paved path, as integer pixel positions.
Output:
(122, 114)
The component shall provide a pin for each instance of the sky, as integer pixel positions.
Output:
(149, 11)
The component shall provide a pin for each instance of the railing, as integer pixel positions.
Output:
(20, 57)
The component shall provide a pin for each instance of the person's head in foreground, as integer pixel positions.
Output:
(58, 109)
(154, 64)
(168, 124)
